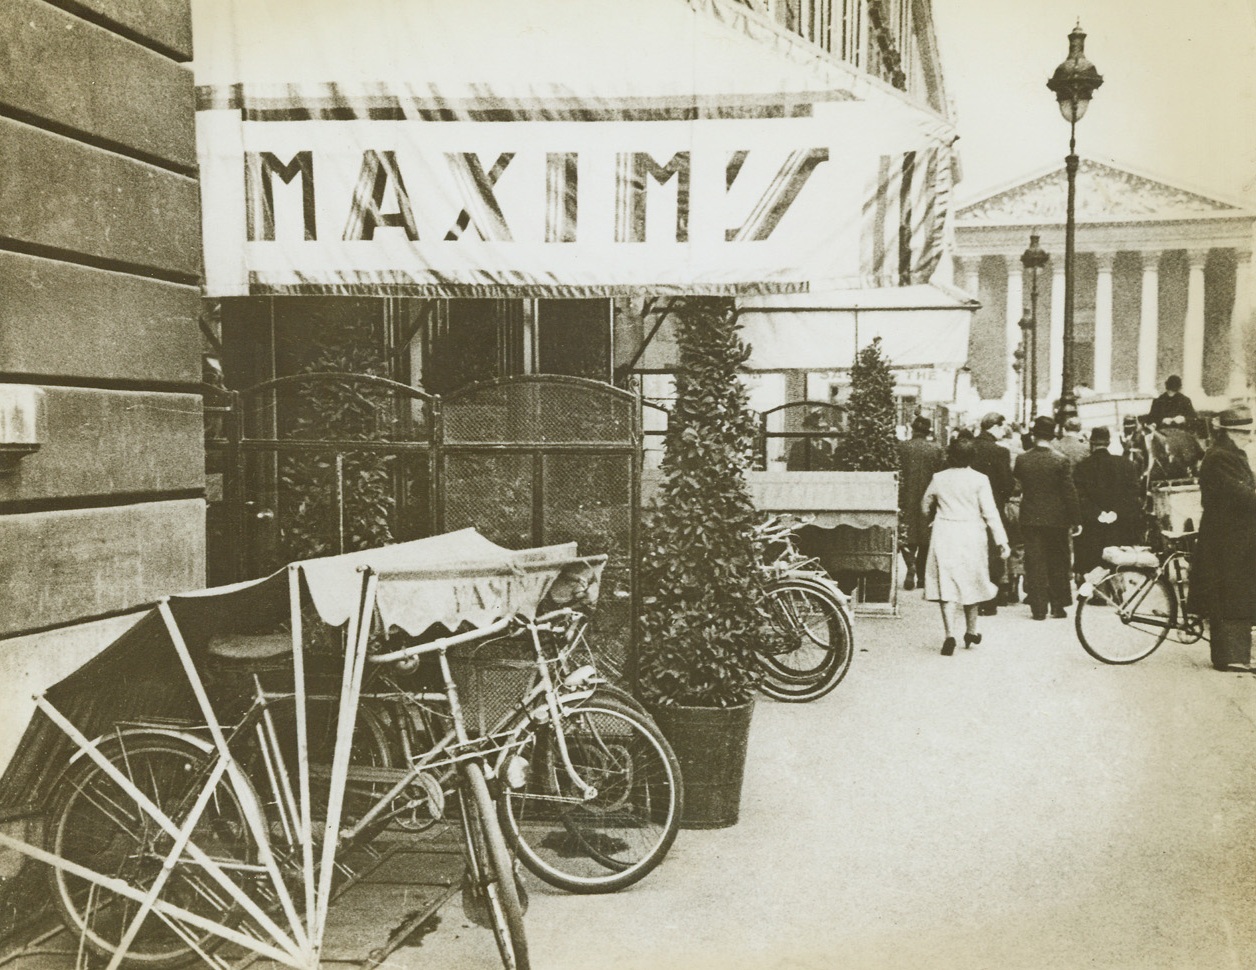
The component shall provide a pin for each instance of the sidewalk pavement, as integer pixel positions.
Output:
(1017, 805)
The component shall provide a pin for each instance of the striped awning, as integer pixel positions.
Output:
(565, 148)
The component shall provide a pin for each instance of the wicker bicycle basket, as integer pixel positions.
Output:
(492, 677)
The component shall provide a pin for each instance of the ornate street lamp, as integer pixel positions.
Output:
(1033, 259)
(1074, 82)
(1018, 366)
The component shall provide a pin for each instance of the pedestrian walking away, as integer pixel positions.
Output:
(1048, 513)
(995, 462)
(957, 572)
(1108, 496)
(1071, 444)
(918, 458)
(1223, 567)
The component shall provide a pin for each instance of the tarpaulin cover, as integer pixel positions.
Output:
(551, 148)
(453, 579)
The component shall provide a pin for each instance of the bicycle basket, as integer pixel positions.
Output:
(492, 676)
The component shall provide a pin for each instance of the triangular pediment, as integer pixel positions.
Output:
(1104, 194)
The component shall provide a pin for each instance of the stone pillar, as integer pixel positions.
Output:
(1193, 332)
(1149, 324)
(1240, 323)
(1055, 359)
(969, 274)
(1015, 307)
(1103, 323)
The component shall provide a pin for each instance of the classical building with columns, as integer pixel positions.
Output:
(1162, 286)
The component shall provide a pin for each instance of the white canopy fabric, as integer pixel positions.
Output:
(459, 577)
(551, 148)
(919, 326)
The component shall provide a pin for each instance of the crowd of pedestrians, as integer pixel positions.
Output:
(999, 517)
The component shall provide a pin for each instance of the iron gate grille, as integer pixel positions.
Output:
(538, 460)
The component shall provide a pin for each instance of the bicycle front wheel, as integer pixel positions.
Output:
(1124, 616)
(610, 840)
(808, 642)
(98, 823)
(492, 869)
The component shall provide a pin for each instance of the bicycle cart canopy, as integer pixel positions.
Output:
(174, 676)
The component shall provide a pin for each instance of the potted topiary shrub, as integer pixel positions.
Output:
(697, 667)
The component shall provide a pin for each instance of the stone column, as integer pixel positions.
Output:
(1193, 332)
(1103, 323)
(1015, 307)
(1149, 324)
(1240, 323)
(1055, 359)
(969, 274)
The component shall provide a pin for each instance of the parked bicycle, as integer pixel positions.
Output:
(1130, 606)
(587, 791)
(807, 636)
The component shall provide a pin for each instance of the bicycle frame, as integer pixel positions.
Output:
(1175, 578)
(544, 701)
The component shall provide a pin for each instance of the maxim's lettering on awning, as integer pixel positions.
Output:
(326, 202)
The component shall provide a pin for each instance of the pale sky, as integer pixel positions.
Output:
(1178, 98)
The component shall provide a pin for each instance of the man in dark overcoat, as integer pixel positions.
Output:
(918, 459)
(1108, 493)
(995, 462)
(1171, 404)
(1223, 567)
(1048, 513)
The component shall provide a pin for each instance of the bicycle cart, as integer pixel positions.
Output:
(176, 828)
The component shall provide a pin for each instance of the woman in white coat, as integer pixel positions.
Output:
(957, 572)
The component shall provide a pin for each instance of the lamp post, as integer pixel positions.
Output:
(1018, 367)
(1073, 83)
(1033, 259)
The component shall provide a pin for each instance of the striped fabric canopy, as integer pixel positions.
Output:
(557, 148)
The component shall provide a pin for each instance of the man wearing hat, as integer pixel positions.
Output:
(1071, 444)
(1223, 567)
(1171, 404)
(995, 462)
(918, 459)
(1108, 496)
(813, 453)
(1047, 514)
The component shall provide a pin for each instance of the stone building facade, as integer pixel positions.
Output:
(1163, 286)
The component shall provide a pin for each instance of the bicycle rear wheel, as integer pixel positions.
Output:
(604, 843)
(97, 823)
(808, 642)
(492, 869)
(1123, 617)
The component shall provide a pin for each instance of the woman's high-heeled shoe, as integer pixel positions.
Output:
(971, 638)
(948, 646)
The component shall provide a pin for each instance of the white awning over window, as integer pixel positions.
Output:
(919, 326)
